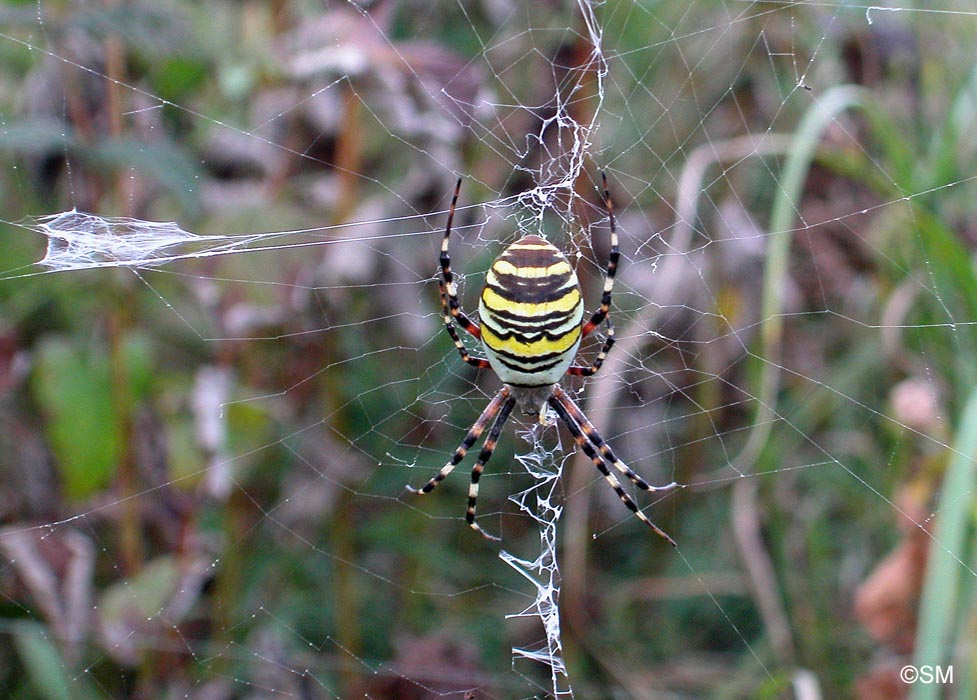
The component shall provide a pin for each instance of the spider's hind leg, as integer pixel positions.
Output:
(498, 411)
(587, 439)
(488, 447)
(597, 441)
(490, 412)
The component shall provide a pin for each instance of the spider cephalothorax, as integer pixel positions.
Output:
(530, 324)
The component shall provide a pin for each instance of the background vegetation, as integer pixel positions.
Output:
(203, 464)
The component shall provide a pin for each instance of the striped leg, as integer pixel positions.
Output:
(601, 356)
(490, 412)
(597, 441)
(594, 447)
(450, 306)
(479, 362)
(449, 290)
(605, 299)
(487, 449)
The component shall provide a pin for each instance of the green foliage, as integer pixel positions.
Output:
(46, 666)
(943, 608)
(75, 390)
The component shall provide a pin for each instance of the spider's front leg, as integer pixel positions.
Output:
(451, 311)
(612, 260)
(602, 314)
(601, 356)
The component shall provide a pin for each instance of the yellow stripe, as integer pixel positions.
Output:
(504, 267)
(543, 346)
(492, 277)
(566, 303)
(531, 246)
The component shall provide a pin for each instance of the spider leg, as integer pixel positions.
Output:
(601, 356)
(586, 438)
(479, 362)
(450, 306)
(605, 300)
(597, 441)
(490, 412)
(449, 290)
(488, 447)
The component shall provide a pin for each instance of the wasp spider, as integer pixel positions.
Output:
(531, 324)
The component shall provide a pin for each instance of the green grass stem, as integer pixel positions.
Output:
(941, 607)
(783, 214)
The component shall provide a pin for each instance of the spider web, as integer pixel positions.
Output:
(215, 388)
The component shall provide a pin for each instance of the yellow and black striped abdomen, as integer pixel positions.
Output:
(530, 313)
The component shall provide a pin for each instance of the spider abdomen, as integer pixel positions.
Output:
(531, 312)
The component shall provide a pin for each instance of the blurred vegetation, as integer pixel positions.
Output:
(202, 465)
